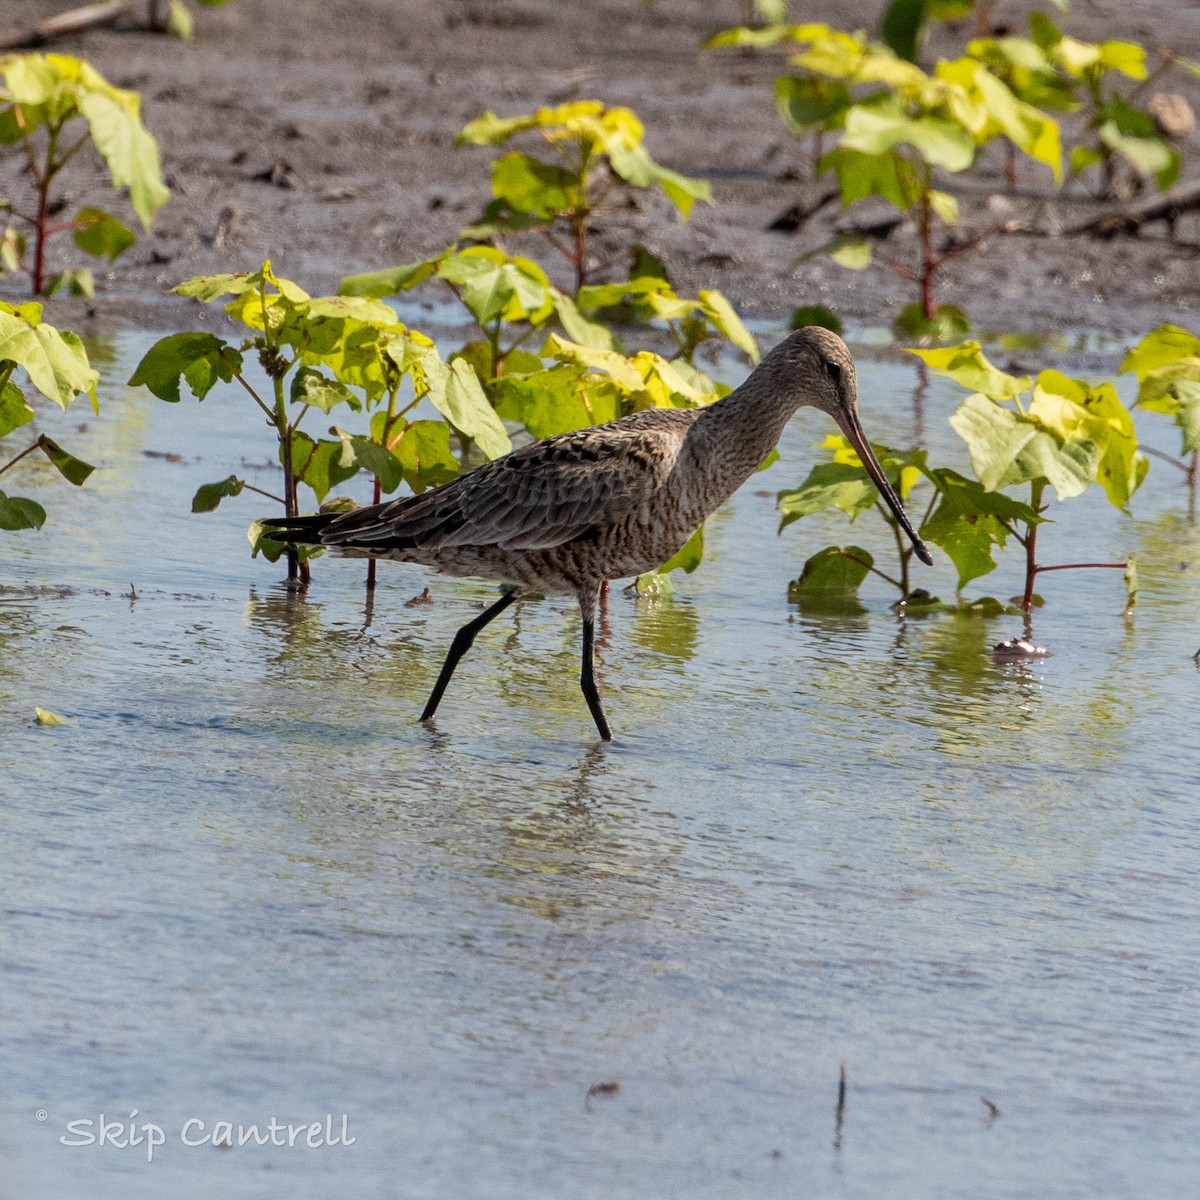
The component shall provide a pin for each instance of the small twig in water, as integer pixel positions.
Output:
(993, 1111)
(841, 1107)
(609, 1087)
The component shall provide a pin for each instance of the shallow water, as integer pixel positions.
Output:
(243, 883)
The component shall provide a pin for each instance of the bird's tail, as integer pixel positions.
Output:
(298, 531)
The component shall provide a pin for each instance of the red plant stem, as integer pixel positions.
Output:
(40, 233)
(12, 462)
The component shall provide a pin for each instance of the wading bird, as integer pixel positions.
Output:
(564, 515)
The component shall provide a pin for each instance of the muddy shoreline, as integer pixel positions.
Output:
(320, 135)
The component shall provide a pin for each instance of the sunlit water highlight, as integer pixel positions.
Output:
(242, 882)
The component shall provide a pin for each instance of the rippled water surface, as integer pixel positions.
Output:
(242, 883)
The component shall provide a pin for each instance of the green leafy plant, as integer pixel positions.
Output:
(55, 365)
(577, 372)
(1167, 365)
(1065, 435)
(595, 149)
(897, 127)
(1054, 433)
(51, 107)
(328, 353)
(1054, 70)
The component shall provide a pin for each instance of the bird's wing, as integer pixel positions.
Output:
(539, 496)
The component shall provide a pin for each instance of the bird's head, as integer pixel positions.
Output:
(814, 366)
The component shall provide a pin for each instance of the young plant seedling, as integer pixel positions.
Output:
(324, 353)
(596, 148)
(51, 107)
(54, 364)
(897, 127)
(1167, 365)
(1052, 432)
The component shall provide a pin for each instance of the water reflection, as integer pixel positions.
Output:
(667, 626)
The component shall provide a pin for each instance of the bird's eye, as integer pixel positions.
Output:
(835, 373)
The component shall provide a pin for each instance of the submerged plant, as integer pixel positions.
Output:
(56, 366)
(51, 107)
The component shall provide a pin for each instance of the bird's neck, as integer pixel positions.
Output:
(734, 436)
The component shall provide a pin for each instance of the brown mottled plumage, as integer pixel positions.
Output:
(564, 515)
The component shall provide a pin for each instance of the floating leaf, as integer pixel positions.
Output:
(834, 571)
(44, 716)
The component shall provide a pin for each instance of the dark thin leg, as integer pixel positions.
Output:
(587, 678)
(461, 644)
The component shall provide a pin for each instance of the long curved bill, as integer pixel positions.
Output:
(847, 419)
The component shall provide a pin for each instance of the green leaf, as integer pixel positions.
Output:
(877, 131)
(559, 400)
(200, 358)
(361, 452)
(73, 470)
(179, 20)
(724, 319)
(829, 485)
(1148, 155)
(128, 148)
(901, 27)
(1163, 345)
(78, 281)
(1007, 448)
(807, 103)
(817, 314)
(390, 281)
(209, 495)
(494, 285)
(835, 571)
(43, 716)
(687, 557)
(319, 465)
(101, 235)
(947, 323)
(310, 386)
(14, 408)
(18, 513)
(425, 455)
(1074, 411)
(967, 364)
(969, 521)
(532, 186)
(578, 328)
(56, 363)
(460, 398)
(860, 175)
(850, 250)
